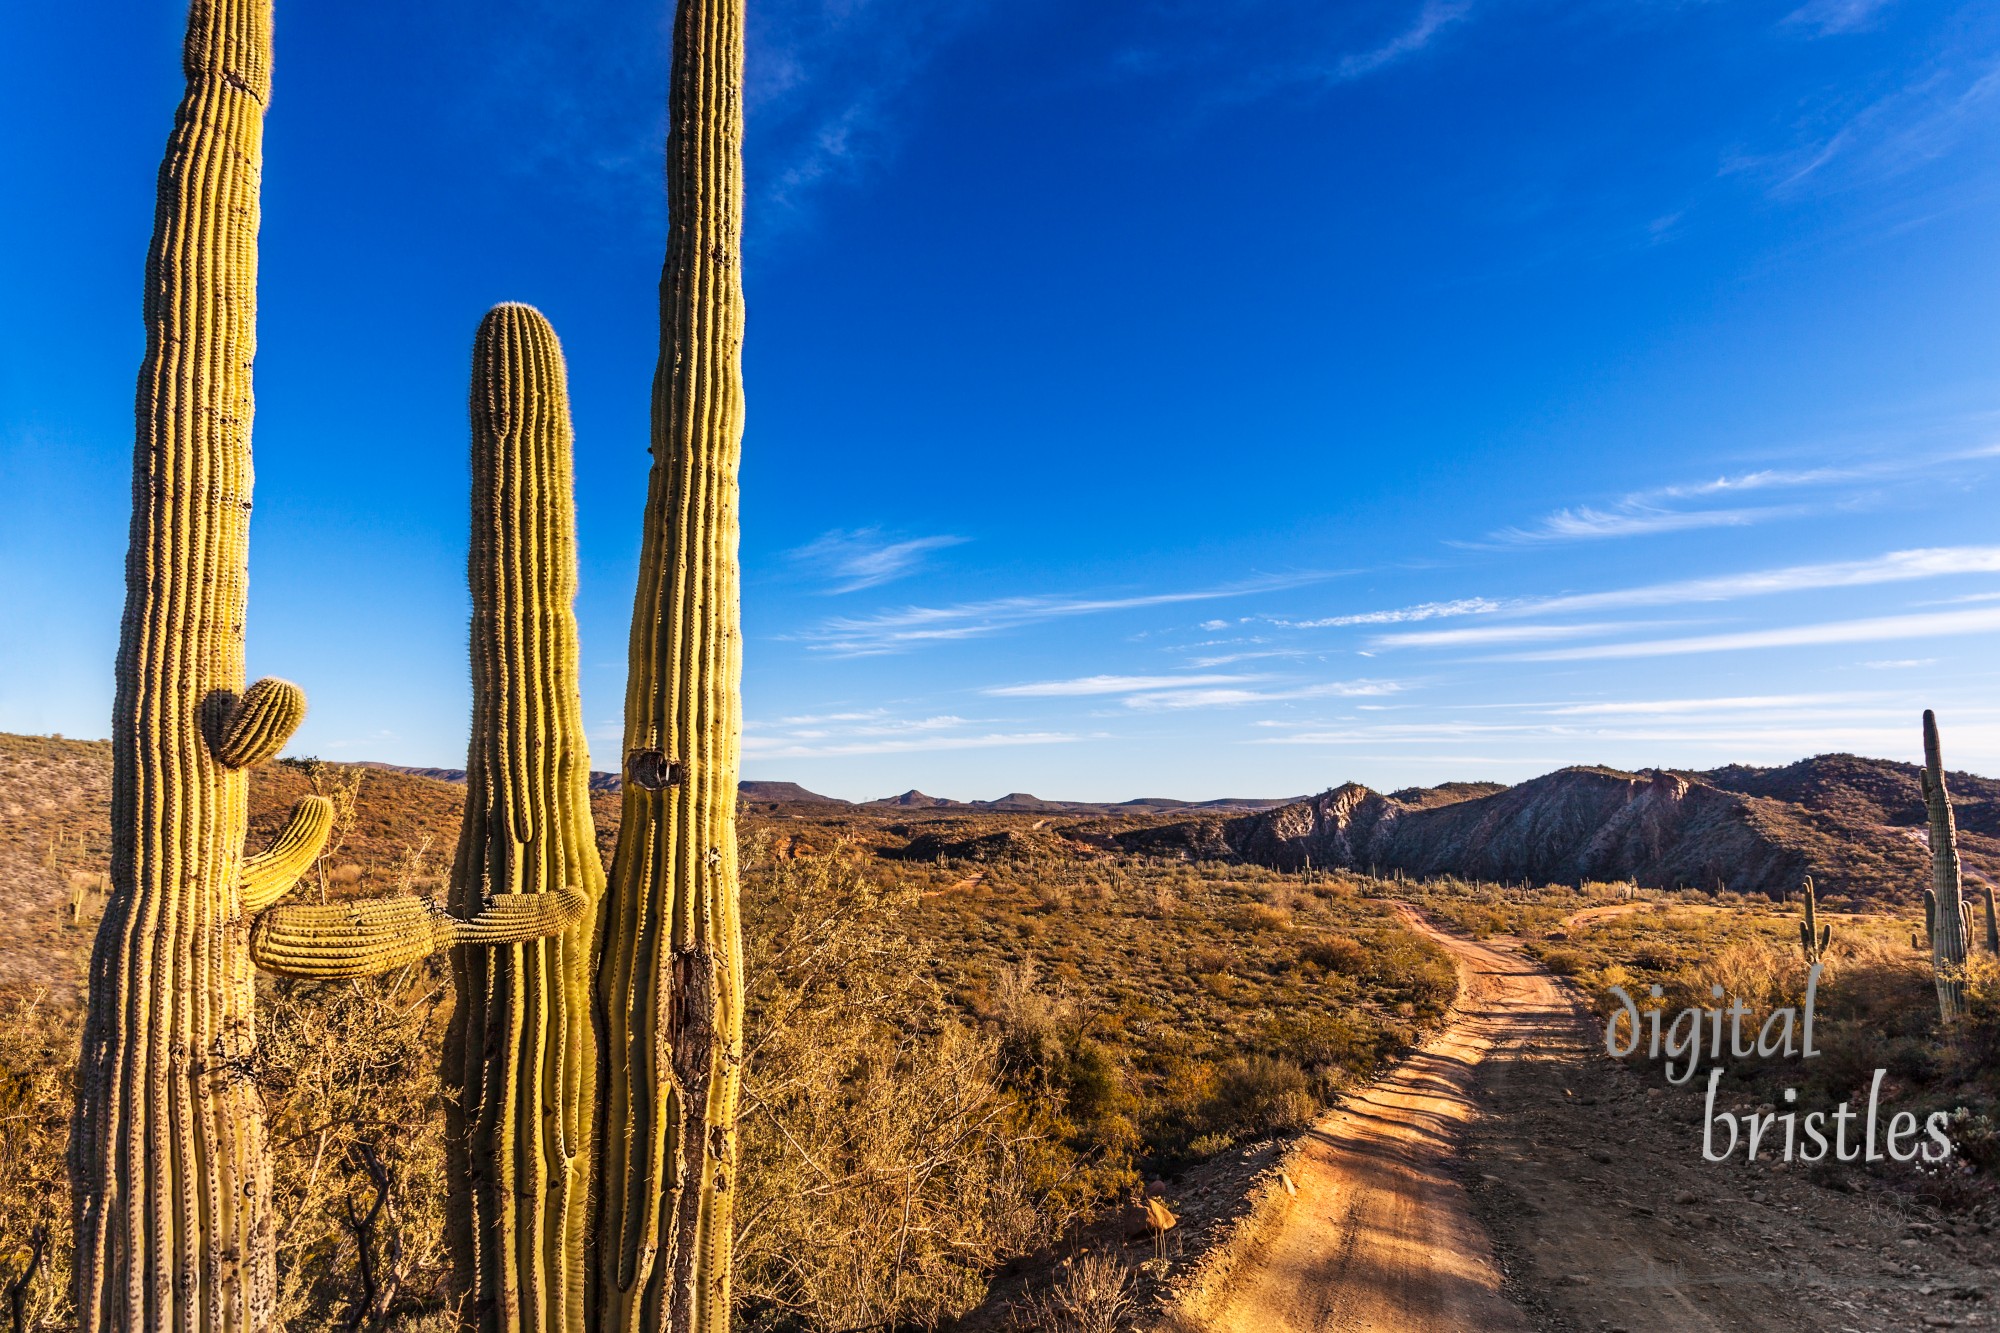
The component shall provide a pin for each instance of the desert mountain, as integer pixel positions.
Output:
(911, 800)
(784, 793)
(1856, 825)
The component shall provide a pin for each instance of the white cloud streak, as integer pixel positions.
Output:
(921, 626)
(864, 558)
(1431, 20)
(1488, 634)
(1875, 630)
(1085, 686)
(1892, 567)
(810, 748)
(1466, 606)
(1165, 700)
(1668, 509)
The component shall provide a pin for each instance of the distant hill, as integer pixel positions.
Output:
(1022, 803)
(598, 781)
(785, 793)
(1856, 825)
(911, 800)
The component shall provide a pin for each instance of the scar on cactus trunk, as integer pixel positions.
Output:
(521, 1056)
(1946, 913)
(669, 973)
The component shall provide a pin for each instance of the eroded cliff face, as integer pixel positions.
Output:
(1335, 828)
(1659, 829)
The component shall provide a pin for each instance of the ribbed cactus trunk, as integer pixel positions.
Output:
(669, 978)
(520, 1055)
(1950, 928)
(167, 1157)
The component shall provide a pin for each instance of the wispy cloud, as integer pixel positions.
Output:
(1465, 606)
(920, 626)
(864, 558)
(1729, 704)
(1827, 17)
(1877, 629)
(793, 748)
(1482, 635)
(1085, 686)
(1636, 517)
(877, 731)
(1718, 502)
(829, 82)
(1935, 110)
(1184, 692)
(1891, 567)
(1433, 18)
(1183, 699)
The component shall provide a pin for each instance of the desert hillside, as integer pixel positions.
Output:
(1855, 825)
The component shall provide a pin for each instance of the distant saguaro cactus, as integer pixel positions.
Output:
(1945, 914)
(520, 1053)
(669, 977)
(1813, 937)
(171, 1179)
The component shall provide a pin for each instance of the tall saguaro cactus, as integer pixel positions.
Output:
(669, 975)
(1813, 937)
(172, 1182)
(521, 1054)
(1944, 902)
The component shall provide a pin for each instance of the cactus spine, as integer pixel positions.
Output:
(1813, 937)
(172, 1182)
(1945, 914)
(669, 975)
(521, 1054)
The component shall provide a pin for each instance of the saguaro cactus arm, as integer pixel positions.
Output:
(255, 726)
(368, 937)
(271, 873)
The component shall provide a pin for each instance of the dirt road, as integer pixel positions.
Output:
(1381, 1233)
(1509, 1177)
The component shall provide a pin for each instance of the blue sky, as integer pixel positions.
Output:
(1175, 399)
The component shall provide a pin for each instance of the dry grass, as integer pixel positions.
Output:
(886, 1166)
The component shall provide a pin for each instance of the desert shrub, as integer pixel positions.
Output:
(350, 1076)
(1206, 958)
(1332, 1047)
(1091, 1293)
(1259, 916)
(1031, 1020)
(1977, 1139)
(1417, 969)
(38, 1045)
(1564, 962)
(885, 1166)
(1337, 953)
(1260, 1094)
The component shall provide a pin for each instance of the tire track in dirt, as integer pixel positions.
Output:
(1508, 1176)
